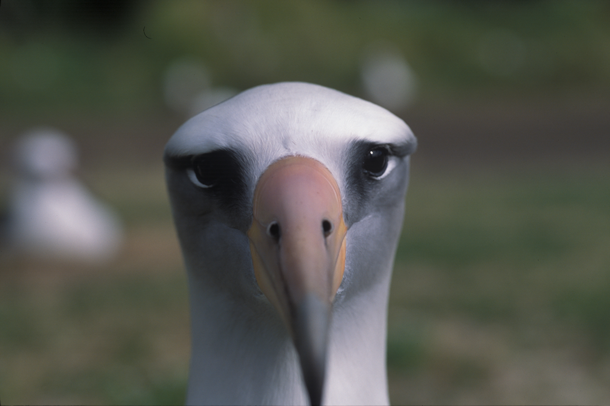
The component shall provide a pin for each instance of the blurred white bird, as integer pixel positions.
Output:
(387, 78)
(51, 214)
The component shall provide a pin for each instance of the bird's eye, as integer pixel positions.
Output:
(376, 161)
(207, 170)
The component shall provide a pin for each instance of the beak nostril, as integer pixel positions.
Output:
(327, 227)
(274, 230)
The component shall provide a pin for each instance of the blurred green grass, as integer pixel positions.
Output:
(492, 267)
(497, 263)
(54, 59)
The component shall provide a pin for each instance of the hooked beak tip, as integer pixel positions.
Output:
(310, 326)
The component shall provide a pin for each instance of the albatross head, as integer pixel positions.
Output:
(288, 202)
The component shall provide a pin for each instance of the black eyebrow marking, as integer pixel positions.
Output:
(179, 161)
(403, 149)
(186, 161)
(399, 150)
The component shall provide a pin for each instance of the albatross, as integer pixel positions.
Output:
(288, 201)
(52, 215)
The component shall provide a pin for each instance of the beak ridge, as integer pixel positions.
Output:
(297, 242)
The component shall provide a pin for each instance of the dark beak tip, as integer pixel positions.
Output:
(311, 321)
(315, 395)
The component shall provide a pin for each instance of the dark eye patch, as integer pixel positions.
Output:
(221, 172)
(215, 169)
(366, 162)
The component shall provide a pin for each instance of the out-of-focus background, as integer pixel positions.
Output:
(501, 291)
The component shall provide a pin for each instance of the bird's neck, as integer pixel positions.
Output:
(356, 372)
(244, 354)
